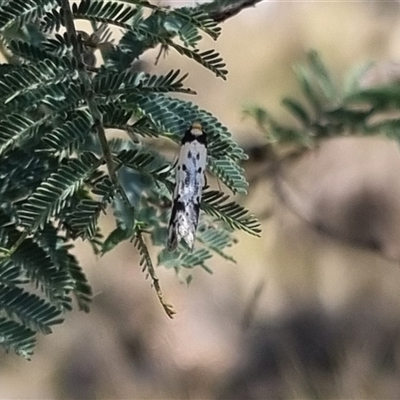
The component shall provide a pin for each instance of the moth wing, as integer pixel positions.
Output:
(172, 242)
(190, 179)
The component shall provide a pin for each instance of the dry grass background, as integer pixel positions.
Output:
(326, 323)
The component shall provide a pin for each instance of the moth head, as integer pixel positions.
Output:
(197, 129)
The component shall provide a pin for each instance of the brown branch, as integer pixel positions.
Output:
(225, 11)
(289, 196)
(289, 199)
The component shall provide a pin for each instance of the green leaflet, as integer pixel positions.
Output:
(329, 110)
(15, 336)
(30, 309)
(172, 115)
(50, 197)
(19, 12)
(236, 216)
(61, 169)
(17, 129)
(208, 58)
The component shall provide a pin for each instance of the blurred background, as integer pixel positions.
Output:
(302, 314)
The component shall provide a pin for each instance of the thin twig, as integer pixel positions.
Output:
(251, 306)
(148, 265)
(288, 196)
(89, 96)
(226, 11)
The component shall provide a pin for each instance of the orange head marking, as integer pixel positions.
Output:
(197, 129)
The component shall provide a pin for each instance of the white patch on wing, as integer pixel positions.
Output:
(190, 180)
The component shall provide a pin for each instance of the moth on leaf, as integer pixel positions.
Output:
(190, 179)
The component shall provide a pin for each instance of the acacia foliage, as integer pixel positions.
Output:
(330, 109)
(61, 169)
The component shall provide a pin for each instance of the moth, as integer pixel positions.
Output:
(190, 179)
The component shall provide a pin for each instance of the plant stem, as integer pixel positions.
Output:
(148, 265)
(225, 11)
(89, 95)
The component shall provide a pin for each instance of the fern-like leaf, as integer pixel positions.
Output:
(179, 260)
(71, 133)
(27, 86)
(28, 308)
(111, 83)
(30, 52)
(230, 173)
(115, 117)
(208, 58)
(16, 13)
(38, 267)
(147, 264)
(172, 116)
(111, 12)
(236, 216)
(17, 337)
(75, 280)
(144, 162)
(49, 198)
(215, 238)
(200, 19)
(59, 169)
(84, 217)
(81, 290)
(10, 274)
(323, 79)
(17, 129)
